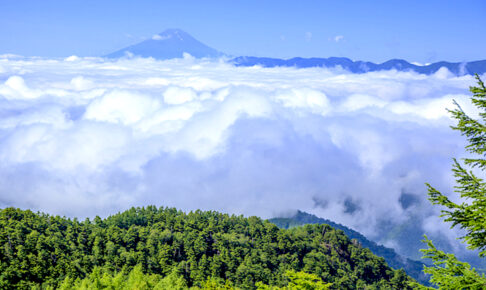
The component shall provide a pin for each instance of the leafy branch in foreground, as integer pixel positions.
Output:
(450, 273)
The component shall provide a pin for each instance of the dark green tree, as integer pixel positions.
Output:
(470, 214)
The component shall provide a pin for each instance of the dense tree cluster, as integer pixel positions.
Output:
(413, 268)
(191, 249)
(136, 279)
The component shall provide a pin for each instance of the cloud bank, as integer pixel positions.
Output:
(88, 136)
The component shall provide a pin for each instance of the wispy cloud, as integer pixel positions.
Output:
(160, 37)
(338, 38)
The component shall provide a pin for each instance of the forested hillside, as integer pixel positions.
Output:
(413, 268)
(163, 246)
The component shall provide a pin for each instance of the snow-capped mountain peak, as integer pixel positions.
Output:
(172, 43)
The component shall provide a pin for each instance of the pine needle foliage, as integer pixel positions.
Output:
(470, 214)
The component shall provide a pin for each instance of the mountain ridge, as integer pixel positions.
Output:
(173, 43)
(396, 261)
(456, 68)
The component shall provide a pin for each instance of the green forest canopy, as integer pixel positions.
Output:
(164, 245)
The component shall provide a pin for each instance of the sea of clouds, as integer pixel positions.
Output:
(90, 136)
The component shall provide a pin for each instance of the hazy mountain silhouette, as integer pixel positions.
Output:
(172, 43)
(457, 68)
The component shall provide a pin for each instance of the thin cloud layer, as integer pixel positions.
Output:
(88, 136)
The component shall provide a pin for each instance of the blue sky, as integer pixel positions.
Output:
(423, 31)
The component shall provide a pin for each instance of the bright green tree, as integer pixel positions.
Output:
(470, 214)
(298, 280)
(302, 280)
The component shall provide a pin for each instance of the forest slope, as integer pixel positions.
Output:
(40, 249)
(411, 267)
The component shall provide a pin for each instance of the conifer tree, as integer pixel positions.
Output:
(470, 214)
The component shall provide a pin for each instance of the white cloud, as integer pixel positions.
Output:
(16, 88)
(338, 38)
(420, 63)
(176, 96)
(160, 37)
(199, 134)
(307, 99)
(358, 101)
(72, 58)
(121, 107)
(187, 56)
(80, 83)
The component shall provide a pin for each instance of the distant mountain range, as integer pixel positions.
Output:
(471, 68)
(173, 43)
(413, 268)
